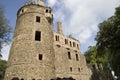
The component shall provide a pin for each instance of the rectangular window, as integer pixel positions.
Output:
(79, 69)
(69, 55)
(71, 69)
(66, 41)
(57, 38)
(38, 36)
(37, 19)
(40, 56)
(74, 44)
(70, 43)
(77, 46)
(77, 57)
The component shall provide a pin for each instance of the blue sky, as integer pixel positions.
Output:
(80, 17)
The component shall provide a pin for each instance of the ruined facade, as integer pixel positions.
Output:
(39, 53)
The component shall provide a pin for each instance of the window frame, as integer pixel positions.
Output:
(37, 35)
(40, 57)
(38, 19)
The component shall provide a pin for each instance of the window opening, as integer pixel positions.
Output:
(37, 19)
(79, 69)
(38, 36)
(46, 10)
(40, 56)
(71, 69)
(74, 44)
(66, 41)
(77, 57)
(69, 55)
(77, 46)
(70, 44)
(57, 38)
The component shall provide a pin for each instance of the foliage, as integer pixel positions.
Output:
(3, 66)
(5, 29)
(93, 57)
(108, 41)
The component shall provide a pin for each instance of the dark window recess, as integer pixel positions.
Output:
(37, 19)
(77, 57)
(74, 44)
(66, 41)
(22, 79)
(46, 10)
(38, 36)
(57, 38)
(40, 56)
(77, 46)
(15, 78)
(71, 69)
(69, 55)
(50, 11)
(22, 10)
(70, 44)
(79, 69)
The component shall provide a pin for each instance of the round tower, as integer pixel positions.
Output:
(31, 55)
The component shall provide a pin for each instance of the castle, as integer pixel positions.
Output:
(39, 53)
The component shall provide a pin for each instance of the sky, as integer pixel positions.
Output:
(80, 18)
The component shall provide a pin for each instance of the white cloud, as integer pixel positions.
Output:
(5, 52)
(52, 2)
(81, 17)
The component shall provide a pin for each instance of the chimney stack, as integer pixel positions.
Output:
(59, 28)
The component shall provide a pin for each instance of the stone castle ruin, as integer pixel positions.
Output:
(39, 53)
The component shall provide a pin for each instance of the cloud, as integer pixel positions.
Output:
(52, 2)
(81, 17)
(5, 52)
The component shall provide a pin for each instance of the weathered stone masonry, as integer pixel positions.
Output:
(39, 53)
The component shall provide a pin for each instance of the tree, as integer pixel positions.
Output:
(108, 41)
(92, 56)
(3, 66)
(5, 30)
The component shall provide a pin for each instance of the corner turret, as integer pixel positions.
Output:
(49, 15)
